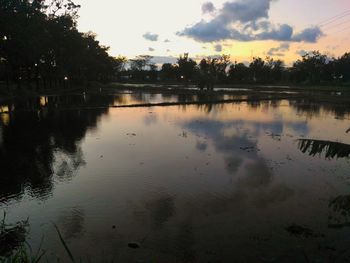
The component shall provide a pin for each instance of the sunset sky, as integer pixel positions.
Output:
(283, 29)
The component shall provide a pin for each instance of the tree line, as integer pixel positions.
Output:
(41, 47)
(311, 68)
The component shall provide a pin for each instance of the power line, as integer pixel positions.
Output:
(339, 24)
(334, 18)
(329, 22)
(344, 29)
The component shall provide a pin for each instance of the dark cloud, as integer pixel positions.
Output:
(311, 35)
(150, 36)
(151, 49)
(279, 51)
(218, 48)
(280, 33)
(247, 20)
(244, 10)
(208, 7)
(166, 41)
(213, 31)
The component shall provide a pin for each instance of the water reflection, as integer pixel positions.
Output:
(187, 183)
(340, 212)
(314, 108)
(329, 148)
(160, 209)
(71, 223)
(43, 143)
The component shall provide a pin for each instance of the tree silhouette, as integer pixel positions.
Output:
(40, 43)
(186, 68)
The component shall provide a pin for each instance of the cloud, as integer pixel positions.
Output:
(245, 10)
(208, 7)
(247, 20)
(150, 36)
(166, 41)
(279, 51)
(151, 49)
(311, 35)
(218, 48)
(280, 33)
(164, 59)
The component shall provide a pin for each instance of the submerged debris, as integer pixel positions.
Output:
(134, 245)
(301, 231)
(276, 137)
(341, 204)
(340, 216)
(183, 134)
(249, 149)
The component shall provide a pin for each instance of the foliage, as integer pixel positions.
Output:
(39, 42)
(11, 236)
(186, 67)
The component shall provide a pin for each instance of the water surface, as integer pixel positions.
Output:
(255, 181)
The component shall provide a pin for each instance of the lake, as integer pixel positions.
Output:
(245, 181)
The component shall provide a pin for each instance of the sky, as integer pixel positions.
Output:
(282, 29)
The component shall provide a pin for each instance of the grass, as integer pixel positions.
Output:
(64, 244)
(14, 248)
(24, 255)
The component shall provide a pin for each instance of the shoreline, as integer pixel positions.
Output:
(339, 93)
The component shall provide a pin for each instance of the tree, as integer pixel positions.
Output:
(258, 70)
(342, 68)
(39, 41)
(311, 68)
(238, 72)
(169, 71)
(186, 67)
(140, 62)
(138, 66)
(213, 70)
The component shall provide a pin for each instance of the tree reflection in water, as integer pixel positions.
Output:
(42, 140)
(340, 212)
(331, 149)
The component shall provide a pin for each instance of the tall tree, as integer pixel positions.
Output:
(186, 67)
